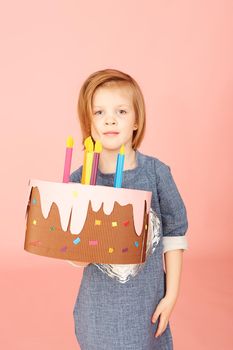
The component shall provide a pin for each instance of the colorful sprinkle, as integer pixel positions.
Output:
(98, 222)
(136, 244)
(126, 223)
(77, 240)
(110, 250)
(34, 222)
(124, 250)
(34, 201)
(63, 249)
(93, 242)
(114, 223)
(75, 194)
(52, 228)
(146, 227)
(35, 243)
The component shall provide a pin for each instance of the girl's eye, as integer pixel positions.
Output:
(122, 111)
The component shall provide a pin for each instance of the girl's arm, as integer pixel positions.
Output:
(173, 260)
(174, 226)
(173, 265)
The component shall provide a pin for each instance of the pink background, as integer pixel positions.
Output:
(180, 52)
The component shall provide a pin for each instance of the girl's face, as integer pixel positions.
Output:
(113, 117)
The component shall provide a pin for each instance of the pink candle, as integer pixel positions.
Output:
(68, 158)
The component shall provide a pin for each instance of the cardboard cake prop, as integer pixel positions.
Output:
(86, 223)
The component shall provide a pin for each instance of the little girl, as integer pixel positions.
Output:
(133, 315)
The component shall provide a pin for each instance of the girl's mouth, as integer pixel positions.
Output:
(111, 133)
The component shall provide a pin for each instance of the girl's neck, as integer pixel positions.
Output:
(108, 160)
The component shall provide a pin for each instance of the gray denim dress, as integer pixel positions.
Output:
(109, 315)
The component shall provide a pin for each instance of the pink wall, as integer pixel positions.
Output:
(180, 53)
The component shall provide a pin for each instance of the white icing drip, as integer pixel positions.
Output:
(63, 194)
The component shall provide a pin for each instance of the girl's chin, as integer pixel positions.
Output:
(111, 146)
(111, 141)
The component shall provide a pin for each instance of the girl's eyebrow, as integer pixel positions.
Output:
(116, 106)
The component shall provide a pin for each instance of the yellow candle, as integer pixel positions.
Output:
(86, 145)
(88, 159)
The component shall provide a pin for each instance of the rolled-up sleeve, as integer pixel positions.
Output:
(172, 209)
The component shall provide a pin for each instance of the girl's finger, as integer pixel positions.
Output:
(161, 328)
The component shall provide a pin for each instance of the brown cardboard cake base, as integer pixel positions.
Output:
(114, 241)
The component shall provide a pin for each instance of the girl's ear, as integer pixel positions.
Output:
(135, 126)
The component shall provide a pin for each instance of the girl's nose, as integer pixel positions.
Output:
(110, 119)
(110, 122)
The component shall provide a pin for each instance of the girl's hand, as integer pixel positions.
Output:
(164, 309)
(78, 263)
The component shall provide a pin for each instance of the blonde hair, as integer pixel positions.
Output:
(108, 77)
